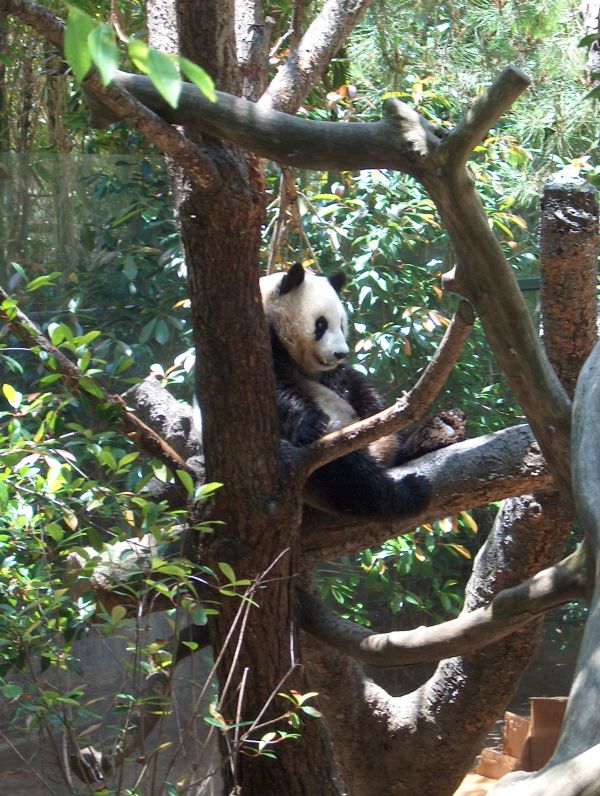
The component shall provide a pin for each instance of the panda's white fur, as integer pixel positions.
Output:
(293, 316)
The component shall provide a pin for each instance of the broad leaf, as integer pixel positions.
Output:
(164, 73)
(79, 27)
(104, 51)
(199, 78)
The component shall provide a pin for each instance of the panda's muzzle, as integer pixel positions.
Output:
(332, 363)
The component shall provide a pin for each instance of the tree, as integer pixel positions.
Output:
(265, 538)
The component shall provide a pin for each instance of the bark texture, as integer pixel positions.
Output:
(569, 248)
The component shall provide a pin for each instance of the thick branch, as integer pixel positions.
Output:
(199, 167)
(401, 140)
(406, 410)
(586, 448)
(308, 61)
(77, 382)
(509, 610)
(470, 473)
(485, 278)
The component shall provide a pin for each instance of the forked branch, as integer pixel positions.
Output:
(509, 610)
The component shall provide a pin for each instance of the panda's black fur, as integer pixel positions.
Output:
(317, 392)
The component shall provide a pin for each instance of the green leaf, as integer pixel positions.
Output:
(163, 70)
(12, 690)
(199, 78)
(118, 613)
(55, 531)
(205, 490)
(40, 281)
(104, 51)
(14, 397)
(138, 52)
(310, 711)
(79, 27)
(58, 333)
(90, 386)
(161, 471)
(187, 480)
(589, 39)
(227, 570)
(161, 332)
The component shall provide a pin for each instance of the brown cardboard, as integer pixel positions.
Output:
(515, 732)
(547, 714)
(494, 764)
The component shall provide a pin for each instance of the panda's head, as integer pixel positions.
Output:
(306, 314)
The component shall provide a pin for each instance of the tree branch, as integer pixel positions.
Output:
(389, 143)
(406, 410)
(469, 132)
(308, 61)
(467, 474)
(509, 610)
(77, 382)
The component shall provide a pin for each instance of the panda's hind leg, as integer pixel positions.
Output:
(355, 485)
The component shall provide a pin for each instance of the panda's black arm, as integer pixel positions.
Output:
(300, 418)
(355, 388)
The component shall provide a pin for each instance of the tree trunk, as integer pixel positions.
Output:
(569, 257)
(260, 501)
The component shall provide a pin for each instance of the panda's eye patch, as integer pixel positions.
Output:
(320, 327)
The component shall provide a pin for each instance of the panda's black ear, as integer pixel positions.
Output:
(338, 281)
(292, 279)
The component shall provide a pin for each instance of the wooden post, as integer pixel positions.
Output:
(569, 247)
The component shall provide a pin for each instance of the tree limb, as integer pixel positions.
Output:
(406, 410)
(470, 473)
(470, 131)
(389, 143)
(509, 610)
(308, 61)
(78, 382)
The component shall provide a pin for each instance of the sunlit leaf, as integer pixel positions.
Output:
(77, 54)
(227, 570)
(199, 78)
(460, 549)
(469, 521)
(104, 51)
(164, 73)
(14, 397)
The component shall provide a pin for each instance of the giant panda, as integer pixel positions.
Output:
(317, 393)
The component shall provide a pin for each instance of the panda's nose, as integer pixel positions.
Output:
(340, 355)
